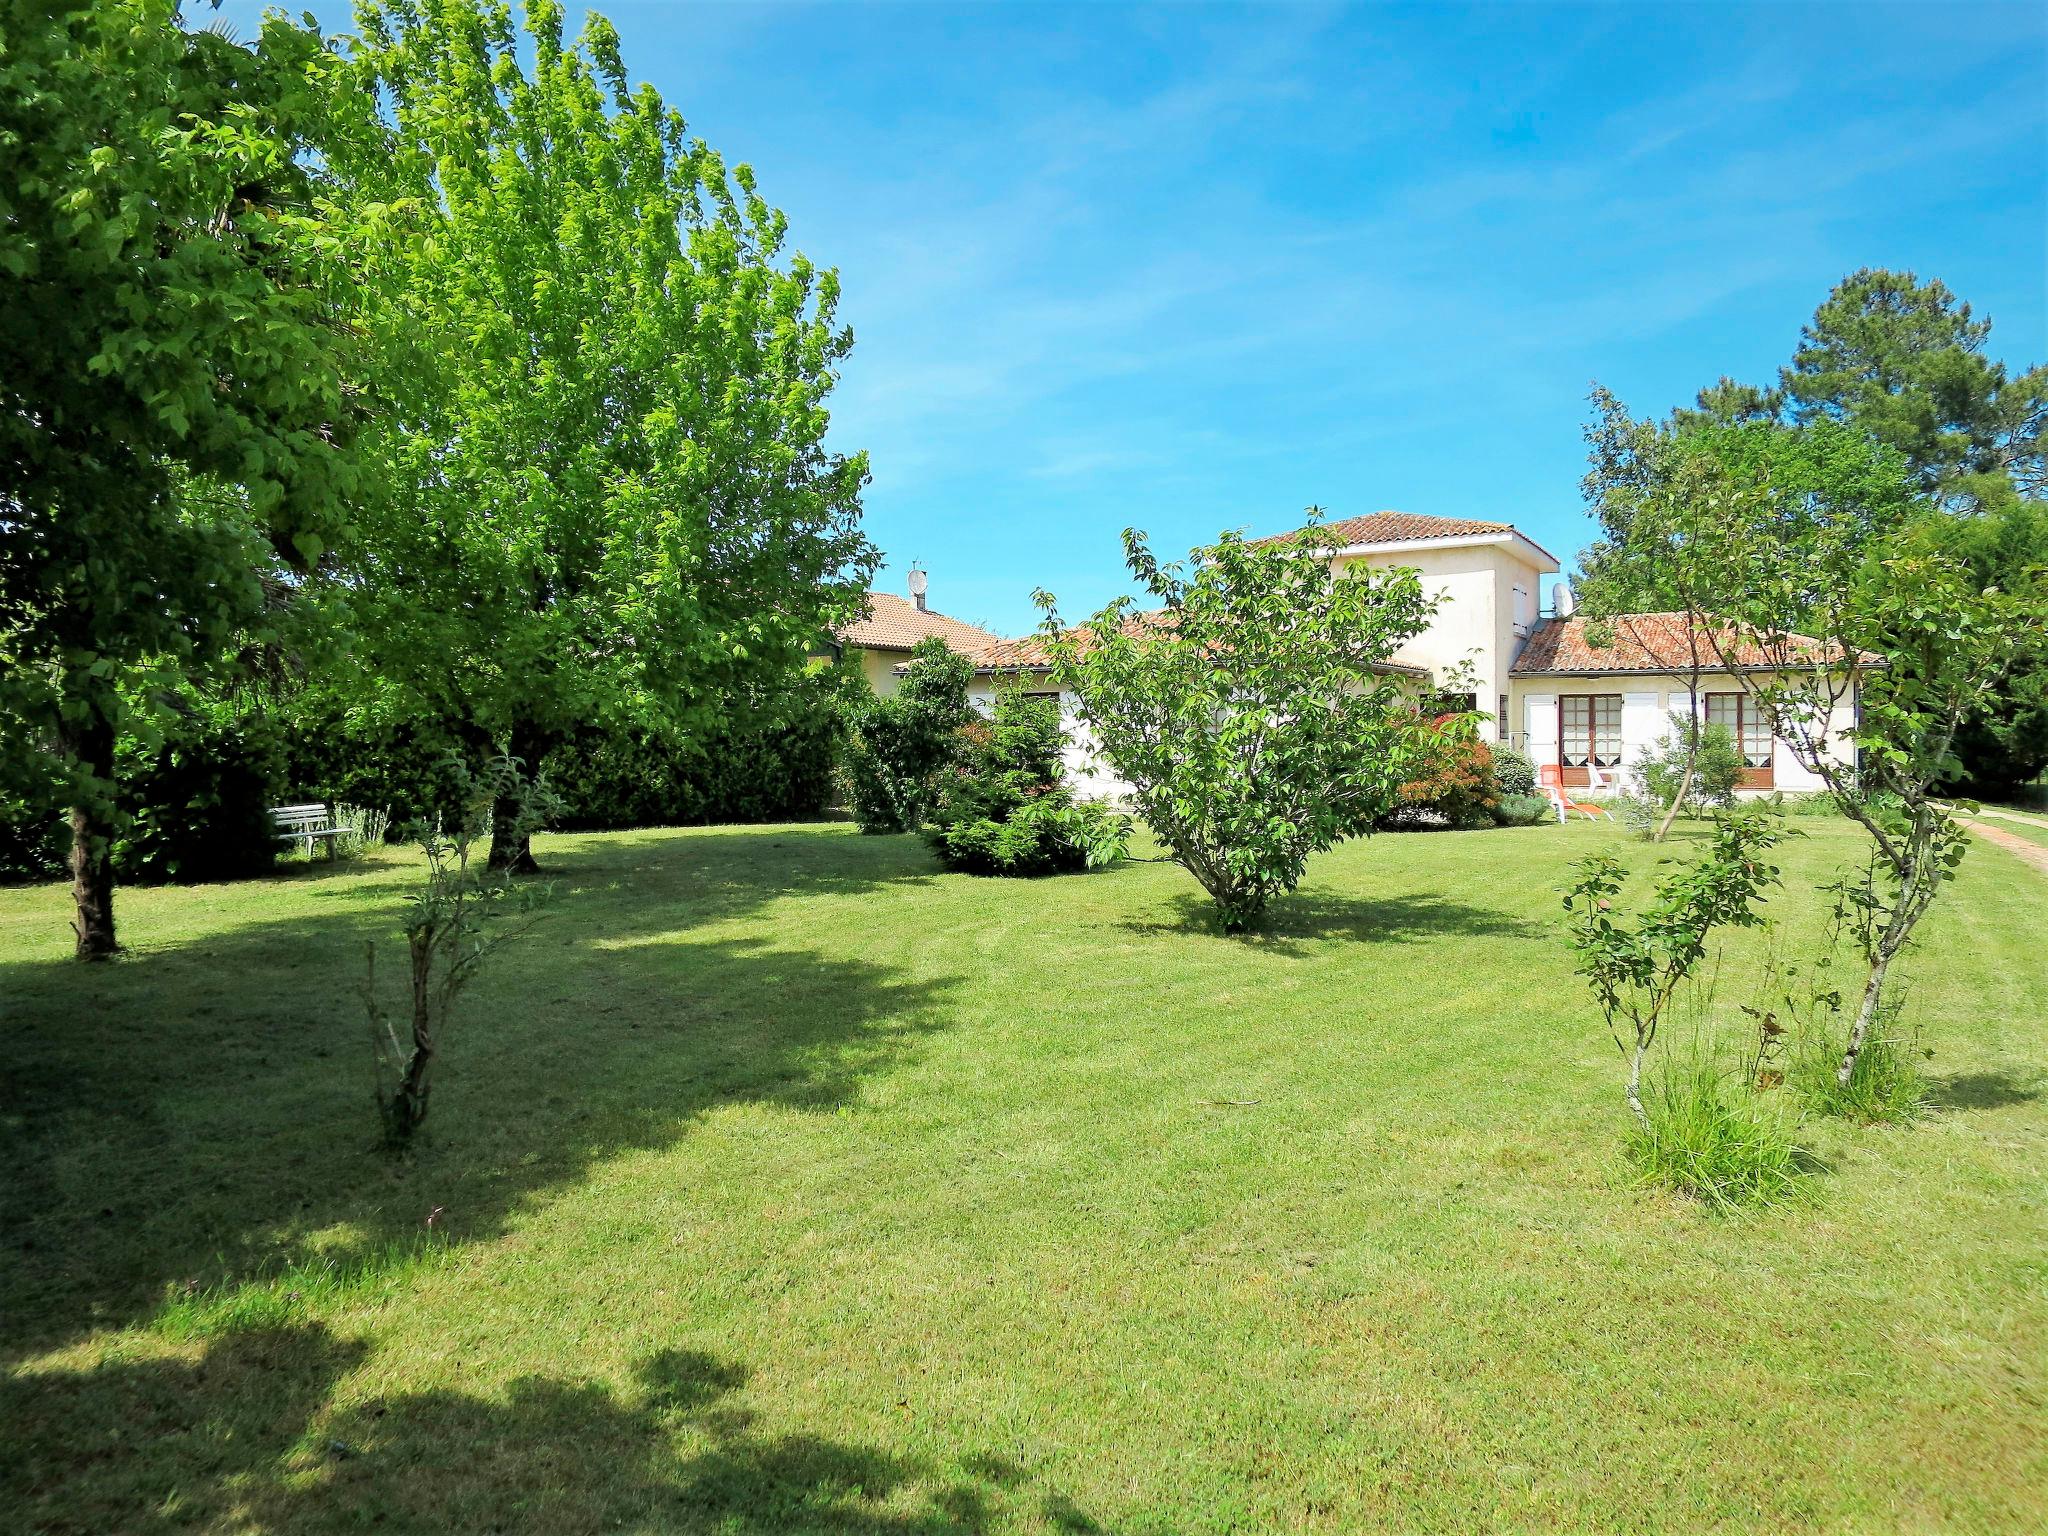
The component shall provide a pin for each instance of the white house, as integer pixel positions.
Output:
(1590, 698)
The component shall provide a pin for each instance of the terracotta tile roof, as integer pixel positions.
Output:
(1029, 653)
(896, 624)
(1648, 642)
(1398, 528)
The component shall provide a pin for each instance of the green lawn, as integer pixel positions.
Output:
(781, 1184)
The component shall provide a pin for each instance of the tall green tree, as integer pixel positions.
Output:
(1253, 714)
(1904, 361)
(173, 412)
(611, 499)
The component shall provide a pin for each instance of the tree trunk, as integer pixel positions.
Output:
(409, 1103)
(511, 844)
(1873, 998)
(1684, 788)
(1635, 1081)
(91, 750)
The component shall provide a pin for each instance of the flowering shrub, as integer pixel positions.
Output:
(1457, 786)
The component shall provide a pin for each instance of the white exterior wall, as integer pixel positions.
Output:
(1647, 704)
(1480, 618)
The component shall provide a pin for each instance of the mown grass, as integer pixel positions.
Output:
(779, 1183)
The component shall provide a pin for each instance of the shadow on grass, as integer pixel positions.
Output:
(1297, 922)
(243, 1438)
(197, 1112)
(1983, 1090)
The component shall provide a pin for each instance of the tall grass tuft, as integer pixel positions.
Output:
(1886, 1086)
(1712, 1136)
(300, 1288)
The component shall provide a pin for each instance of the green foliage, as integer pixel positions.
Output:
(771, 759)
(1904, 361)
(609, 500)
(174, 411)
(1635, 967)
(2002, 743)
(1523, 811)
(1003, 808)
(196, 807)
(191, 803)
(1705, 1131)
(1512, 770)
(1716, 765)
(1252, 714)
(897, 746)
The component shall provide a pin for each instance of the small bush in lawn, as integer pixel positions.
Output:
(898, 747)
(1003, 809)
(1522, 811)
(1716, 766)
(1513, 771)
(1708, 1134)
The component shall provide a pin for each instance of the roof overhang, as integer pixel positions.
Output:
(1535, 553)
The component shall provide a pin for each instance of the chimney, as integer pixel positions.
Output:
(918, 582)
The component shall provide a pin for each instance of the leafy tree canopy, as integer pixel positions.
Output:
(1253, 714)
(611, 497)
(174, 415)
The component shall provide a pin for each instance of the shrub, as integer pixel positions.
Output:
(1003, 809)
(897, 747)
(191, 805)
(1250, 713)
(1456, 788)
(1523, 811)
(197, 806)
(1716, 769)
(1513, 771)
(1706, 1133)
(769, 759)
(1635, 966)
(343, 755)
(449, 933)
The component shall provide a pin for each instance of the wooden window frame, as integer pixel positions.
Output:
(1747, 717)
(1579, 775)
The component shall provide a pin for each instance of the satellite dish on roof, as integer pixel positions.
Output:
(1561, 600)
(918, 582)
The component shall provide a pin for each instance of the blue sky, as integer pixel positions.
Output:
(1195, 267)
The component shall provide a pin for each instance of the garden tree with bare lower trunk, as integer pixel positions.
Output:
(1636, 965)
(612, 504)
(1640, 486)
(1855, 610)
(455, 923)
(173, 411)
(1251, 714)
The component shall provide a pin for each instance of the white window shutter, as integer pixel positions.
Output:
(1539, 726)
(1642, 723)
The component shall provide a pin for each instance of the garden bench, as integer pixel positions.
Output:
(305, 824)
